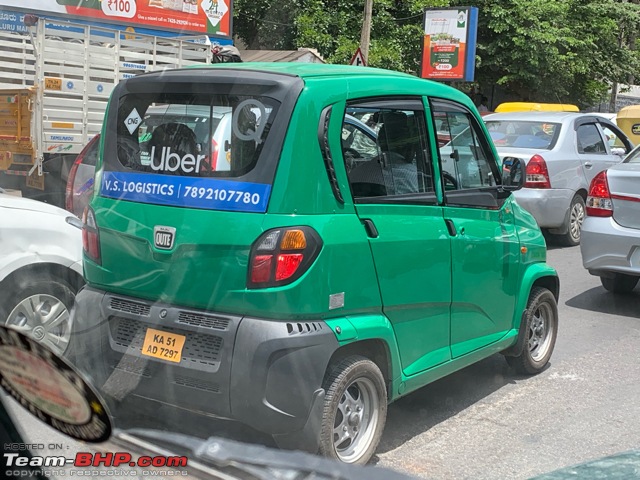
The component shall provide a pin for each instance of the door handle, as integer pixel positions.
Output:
(588, 164)
(451, 227)
(370, 227)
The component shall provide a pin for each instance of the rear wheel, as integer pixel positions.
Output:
(576, 217)
(541, 324)
(355, 410)
(619, 283)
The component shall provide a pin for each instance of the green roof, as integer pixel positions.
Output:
(318, 70)
(302, 69)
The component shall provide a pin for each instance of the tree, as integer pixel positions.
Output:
(569, 51)
(333, 28)
(560, 51)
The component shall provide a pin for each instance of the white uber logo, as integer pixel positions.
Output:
(163, 237)
(172, 162)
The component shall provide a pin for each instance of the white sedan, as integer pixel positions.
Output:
(40, 268)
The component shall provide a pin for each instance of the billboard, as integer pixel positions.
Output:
(208, 17)
(449, 44)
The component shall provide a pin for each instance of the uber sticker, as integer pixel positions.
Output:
(132, 122)
(50, 388)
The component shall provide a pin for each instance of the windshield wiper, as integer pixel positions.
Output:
(229, 459)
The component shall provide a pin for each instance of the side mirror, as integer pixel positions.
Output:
(619, 151)
(512, 174)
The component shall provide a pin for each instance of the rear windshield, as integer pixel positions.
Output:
(523, 134)
(192, 135)
(195, 150)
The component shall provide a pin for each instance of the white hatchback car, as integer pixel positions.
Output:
(40, 268)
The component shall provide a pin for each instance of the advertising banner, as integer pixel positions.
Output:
(449, 44)
(209, 17)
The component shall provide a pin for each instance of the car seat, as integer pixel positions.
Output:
(375, 177)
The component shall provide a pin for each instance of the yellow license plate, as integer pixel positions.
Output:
(163, 345)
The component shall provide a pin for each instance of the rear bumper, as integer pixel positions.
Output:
(607, 247)
(266, 374)
(549, 206)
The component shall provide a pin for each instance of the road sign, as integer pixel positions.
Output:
(358, 59)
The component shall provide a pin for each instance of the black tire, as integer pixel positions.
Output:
(16, 290)
(619, 283)
(574, 226)
(355, 374)
(534, 357)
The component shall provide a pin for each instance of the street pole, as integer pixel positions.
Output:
(365, 36)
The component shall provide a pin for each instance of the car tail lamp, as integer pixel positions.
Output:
(70, 181)
(599, 203)
(281, 256)
(214, 155)
(90, 236)
(537, 174)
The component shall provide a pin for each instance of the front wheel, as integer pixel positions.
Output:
(41, 310)
(355, 410)
(619, 283)
(541, 324)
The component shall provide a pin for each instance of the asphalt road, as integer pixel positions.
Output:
(486, 422)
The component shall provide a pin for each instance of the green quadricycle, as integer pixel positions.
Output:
(288, 246)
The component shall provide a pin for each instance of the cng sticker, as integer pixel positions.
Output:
(132, 122)
(636, 129)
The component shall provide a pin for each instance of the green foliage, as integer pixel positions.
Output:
(557, 50)
(540, 50)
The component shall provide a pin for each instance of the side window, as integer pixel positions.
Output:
(589, 140)
(386, 157)
(464, 159)
(616, 144)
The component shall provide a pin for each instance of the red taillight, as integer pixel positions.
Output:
(90, 236)
(281, 256)
(287, 265)
(70, 181)
(599, 203)
(537, 173)
(261, 269)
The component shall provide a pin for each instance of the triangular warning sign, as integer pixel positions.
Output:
(358, 59)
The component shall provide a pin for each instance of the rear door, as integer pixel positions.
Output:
(592, 148)
(396, 201)
(175, 225)
(484, 243)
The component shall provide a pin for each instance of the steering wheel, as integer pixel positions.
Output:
(450, 181)
(352, 152)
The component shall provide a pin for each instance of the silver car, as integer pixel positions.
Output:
(611, 232)
(563, 152)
